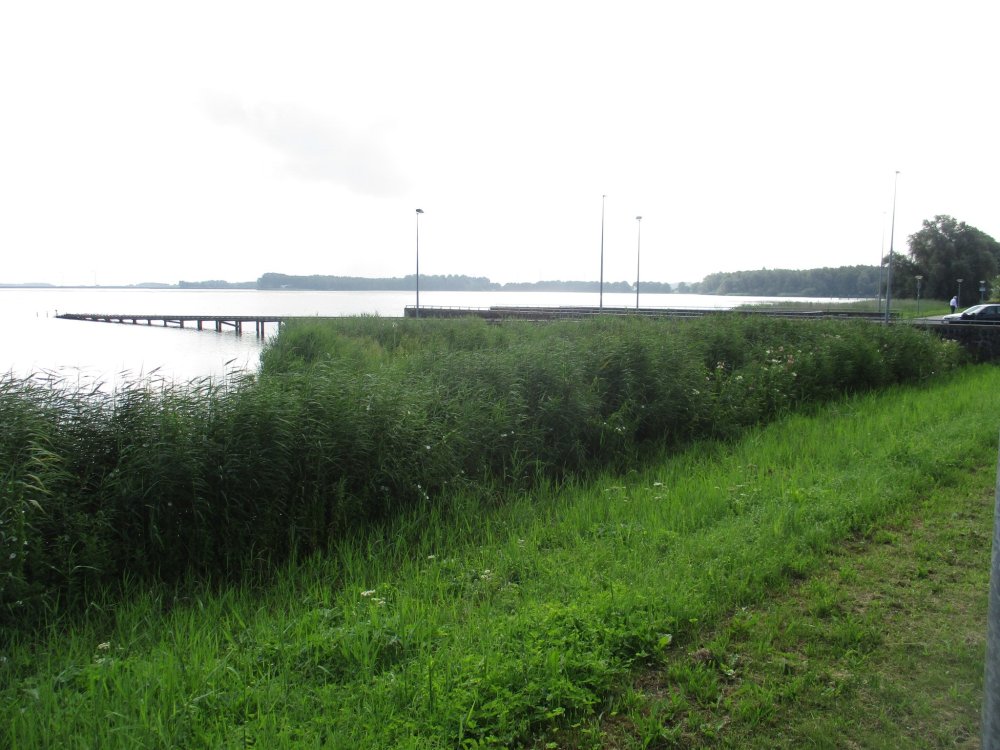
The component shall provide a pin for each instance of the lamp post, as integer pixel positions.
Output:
(601, 293)
(892, 235)
(638, 249)
(419, 211)
(958, 298)
(982, 291)
(919, 278)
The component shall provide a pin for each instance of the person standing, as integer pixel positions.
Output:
(954, 303)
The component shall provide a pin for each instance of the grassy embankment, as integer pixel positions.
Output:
(585, 617)
(481, 624)
(904, 308)
(881, 648)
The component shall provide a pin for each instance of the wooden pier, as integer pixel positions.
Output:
(200, 322)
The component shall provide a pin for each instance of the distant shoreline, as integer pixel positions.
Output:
(843, 282)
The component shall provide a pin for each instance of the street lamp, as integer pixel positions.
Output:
(958, 299)
(982, 290)
(919, 279)
(601, 293)
(892, 235)
(638, 248)
(419, 211)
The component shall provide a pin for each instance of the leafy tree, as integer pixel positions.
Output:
(993, 288)
(904, 277)
(946, 250)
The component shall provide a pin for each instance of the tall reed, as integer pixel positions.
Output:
(350, 421)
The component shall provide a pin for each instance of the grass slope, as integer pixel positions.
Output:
(557, 619)
(882, 648)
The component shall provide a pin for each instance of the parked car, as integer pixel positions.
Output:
(975, 314)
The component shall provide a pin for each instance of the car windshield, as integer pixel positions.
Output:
(974, 309)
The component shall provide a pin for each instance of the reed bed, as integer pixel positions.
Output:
(350, 423)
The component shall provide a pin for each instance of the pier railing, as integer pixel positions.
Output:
(219, 322)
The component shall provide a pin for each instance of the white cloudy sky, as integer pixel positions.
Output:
(144, 141)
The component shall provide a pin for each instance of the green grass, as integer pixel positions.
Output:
(905, 308)
(883, 647)
(604, 613)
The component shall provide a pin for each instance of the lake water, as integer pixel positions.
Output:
(35, 341)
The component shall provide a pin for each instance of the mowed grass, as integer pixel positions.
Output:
(717, 597)
(904, 308)
(882, 647)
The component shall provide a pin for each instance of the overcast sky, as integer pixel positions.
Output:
(145, 141)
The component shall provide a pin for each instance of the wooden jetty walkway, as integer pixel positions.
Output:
(219, 322)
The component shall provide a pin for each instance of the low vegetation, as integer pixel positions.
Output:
(635, 609)
(881, 647)
(903, 309)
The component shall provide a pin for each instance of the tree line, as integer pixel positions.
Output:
(318, 282)
(846, 281)
(942, 252)
(441, 283)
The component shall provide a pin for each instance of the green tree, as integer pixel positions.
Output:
(904, 277)
(946, 250)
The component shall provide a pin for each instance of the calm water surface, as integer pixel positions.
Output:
(34, 341)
